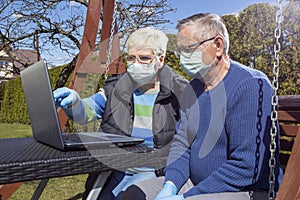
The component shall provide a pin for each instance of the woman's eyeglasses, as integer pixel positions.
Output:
(144, 59)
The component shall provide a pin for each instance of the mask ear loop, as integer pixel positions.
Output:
(157, 66)
(213, 60)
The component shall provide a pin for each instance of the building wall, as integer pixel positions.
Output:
(6, 66)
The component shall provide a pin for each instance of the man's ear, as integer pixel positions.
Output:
(219, 45)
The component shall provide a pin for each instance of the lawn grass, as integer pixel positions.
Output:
(64, 188)
(70, 187)
(15, 130)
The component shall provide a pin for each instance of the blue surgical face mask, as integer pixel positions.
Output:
(142, 73)
(193, 66)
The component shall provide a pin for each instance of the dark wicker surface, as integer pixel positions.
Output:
(24, 159)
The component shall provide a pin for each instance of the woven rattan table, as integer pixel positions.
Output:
(24, 159)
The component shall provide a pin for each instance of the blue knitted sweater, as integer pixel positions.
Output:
(223, 136)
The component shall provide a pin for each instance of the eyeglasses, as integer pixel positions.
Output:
(144, 59)
(191, 48)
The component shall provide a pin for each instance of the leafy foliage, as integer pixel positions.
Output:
(252, 42)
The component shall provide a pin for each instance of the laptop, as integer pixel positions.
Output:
(44, 118)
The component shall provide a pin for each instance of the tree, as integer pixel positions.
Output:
(290, 43)
(57, 25)
(252, 42)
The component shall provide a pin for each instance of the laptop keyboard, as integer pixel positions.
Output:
(76, 138)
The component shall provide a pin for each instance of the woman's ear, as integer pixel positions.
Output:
(161, 60)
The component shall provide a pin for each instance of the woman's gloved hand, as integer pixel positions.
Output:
(65, 97)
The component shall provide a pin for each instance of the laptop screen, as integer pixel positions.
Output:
(41, 108)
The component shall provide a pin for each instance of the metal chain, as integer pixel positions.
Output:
(251, 195)
(274, 113)
(111, 37)
(108, 51)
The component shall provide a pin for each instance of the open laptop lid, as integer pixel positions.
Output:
(44, 119)
(40, 104)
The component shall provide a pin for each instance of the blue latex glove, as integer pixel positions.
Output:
(97, 104)
(65, 97)
(169, 190)
(175, 197)
(71, 103)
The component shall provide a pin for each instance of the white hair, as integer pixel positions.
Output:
(148, 38)
(206, 25)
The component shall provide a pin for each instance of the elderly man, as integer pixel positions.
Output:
(140, 103)
(221, 149)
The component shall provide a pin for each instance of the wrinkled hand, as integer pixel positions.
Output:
(168, 192)
(65, 97)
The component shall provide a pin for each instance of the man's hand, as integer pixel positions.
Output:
(168, 192)
(65, 97)
(175, 197)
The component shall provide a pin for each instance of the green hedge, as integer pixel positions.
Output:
(14, 109)
(13, 105)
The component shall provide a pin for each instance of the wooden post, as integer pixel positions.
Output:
(87, 46)
(85, 64)
(290, 186)
(8, 189)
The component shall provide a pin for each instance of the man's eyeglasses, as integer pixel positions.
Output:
(191, 48)
(144, 59)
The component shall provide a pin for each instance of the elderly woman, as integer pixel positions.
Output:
(140, 103)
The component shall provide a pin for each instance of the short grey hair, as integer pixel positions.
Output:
(206, 26)
(148, 38)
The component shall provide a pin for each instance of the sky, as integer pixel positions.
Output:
(187, 8)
